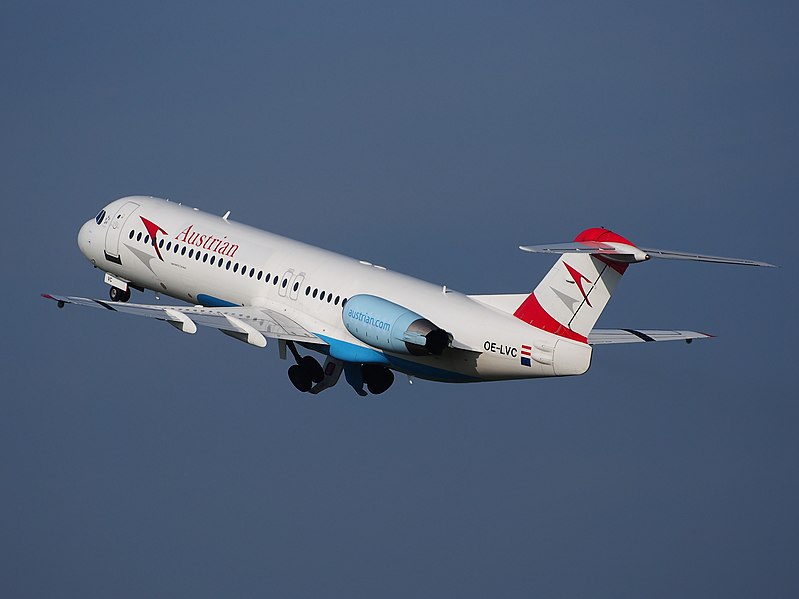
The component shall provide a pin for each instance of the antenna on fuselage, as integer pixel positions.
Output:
(224, 218)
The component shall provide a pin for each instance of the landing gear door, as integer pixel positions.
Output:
(115, 227)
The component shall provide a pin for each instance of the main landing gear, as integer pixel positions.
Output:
(307, 375)
(305, 372)
(377, 378)
(119, 295)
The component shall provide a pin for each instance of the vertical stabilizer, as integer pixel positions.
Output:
(570, 298)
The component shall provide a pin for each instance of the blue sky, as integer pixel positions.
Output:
(433, 138)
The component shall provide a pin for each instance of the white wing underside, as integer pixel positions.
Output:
(234, 321)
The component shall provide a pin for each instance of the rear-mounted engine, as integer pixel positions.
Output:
(391, 327)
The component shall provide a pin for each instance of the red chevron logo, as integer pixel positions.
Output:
(153, 230)
(579, 278)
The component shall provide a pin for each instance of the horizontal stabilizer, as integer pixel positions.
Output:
(629, 253)
(609, 336)
(671, 255)
(571, 247)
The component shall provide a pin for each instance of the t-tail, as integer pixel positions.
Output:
(571, 297)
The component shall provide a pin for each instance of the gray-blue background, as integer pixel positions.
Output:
(432, 137)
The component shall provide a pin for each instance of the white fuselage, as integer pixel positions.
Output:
(205, 259)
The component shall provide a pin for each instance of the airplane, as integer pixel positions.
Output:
(365, 320)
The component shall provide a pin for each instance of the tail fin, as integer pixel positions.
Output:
(570, 298)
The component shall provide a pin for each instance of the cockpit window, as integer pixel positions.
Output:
(100, 217)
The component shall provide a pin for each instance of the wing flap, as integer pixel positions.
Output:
(611, 336)
(266, 322)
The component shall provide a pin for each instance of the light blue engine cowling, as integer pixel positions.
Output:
(391, 327)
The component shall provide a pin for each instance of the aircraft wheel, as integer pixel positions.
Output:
(378, 378)
(300, 378)
(313, 368)
(119, 295)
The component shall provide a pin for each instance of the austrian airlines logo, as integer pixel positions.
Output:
(153, 230)
(579, 278)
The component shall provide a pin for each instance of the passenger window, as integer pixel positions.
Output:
(322, 296)
(227, 266)
(183, 251)
(130, 236)
(168, 245)
(336, 301)
(138, 237)
(274, 281)
(285, 282)
(146, 239)
(213, 259)
(296, 286)
(205, 257)
(344, 302)
(260, 274)
(329, 298)
(161, 243)
(191, 252)
(252, 273)
(315, 292)
(307, 290)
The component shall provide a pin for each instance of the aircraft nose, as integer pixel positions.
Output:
(85, 238)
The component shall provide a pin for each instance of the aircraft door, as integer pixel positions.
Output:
(115, 228)
(288, 276)
(296, 284)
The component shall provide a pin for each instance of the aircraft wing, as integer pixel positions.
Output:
(608, 336)
(246, 323)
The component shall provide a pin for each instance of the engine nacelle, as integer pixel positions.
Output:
(391, 327)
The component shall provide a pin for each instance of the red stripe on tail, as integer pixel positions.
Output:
(533, 314)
